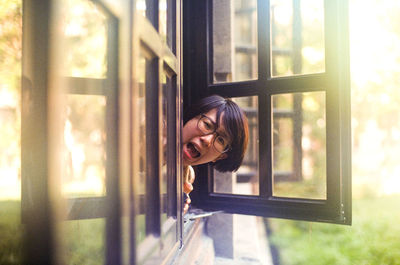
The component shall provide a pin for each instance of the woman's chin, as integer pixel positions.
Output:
(190, 162)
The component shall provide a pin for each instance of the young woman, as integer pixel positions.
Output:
(215, 131)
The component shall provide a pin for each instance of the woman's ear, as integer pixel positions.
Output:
(222, 156)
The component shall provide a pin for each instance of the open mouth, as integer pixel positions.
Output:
(192, 150)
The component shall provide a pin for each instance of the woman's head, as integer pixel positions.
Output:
(215, 130)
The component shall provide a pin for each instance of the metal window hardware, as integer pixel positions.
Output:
(191, 216)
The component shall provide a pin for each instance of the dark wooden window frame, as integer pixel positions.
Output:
(161, 58)
(36, 188)
(128, 33)
(198, 82)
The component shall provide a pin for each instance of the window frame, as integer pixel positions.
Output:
(162, 238)
(334, 81)
(42, 206)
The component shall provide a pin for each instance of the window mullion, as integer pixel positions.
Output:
(264, 44)
(152, 149)
(171, 147)
(265, 143)
(113, 224)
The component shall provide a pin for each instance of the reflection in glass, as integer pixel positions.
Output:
(246, 180)
(234, 40)
(141, 116)
(297, 37)
(299, 145)
(84, 241)
(84, 146)
(84, 28)
(163, 147)
(168, 224)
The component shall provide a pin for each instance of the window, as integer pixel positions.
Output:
(156, 126)
(286, 64)
(69, 165)
(101, 129)
(102, 119)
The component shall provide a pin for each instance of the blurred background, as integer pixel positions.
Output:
(375, 88)
(373, 237)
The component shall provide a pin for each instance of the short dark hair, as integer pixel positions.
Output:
(236, 127)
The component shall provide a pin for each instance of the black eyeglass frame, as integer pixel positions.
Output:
(214, 131)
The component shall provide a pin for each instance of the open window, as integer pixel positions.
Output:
(101, 121)
(286, 63)
(156, 130)
(70, 146)
(101, 118)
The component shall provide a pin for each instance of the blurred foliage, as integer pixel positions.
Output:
(84, 44)
(375, 71)
(10, 40)
(10, 76)
(85, 139)
(311, 147)
(375, 82)
(309, 45)
(84, 26)
(10, 51)
(372, 239)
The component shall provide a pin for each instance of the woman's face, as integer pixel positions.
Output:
(198, 148)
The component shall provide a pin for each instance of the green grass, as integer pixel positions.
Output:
(10, 233)
(84, 241)
(373, 238)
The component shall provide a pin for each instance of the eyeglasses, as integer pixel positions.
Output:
(207, 126)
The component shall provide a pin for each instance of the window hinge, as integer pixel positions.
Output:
(342, 213)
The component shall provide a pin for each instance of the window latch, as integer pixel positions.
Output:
(191, 216)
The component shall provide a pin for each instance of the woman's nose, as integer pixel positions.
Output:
(207, 139)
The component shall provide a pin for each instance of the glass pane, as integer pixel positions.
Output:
(147, 8)
(234, 40)
(84, 241)
(297, 37)
(163, 148)
(299, 145)
(84, 146)
(81, 61)
(171, 25)
(11, 229)
(162, 17)
(141, 117)
(84, 28)
(168, 172)
(246, 180)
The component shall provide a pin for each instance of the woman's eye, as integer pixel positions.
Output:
(208, 125)
(221, 140)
